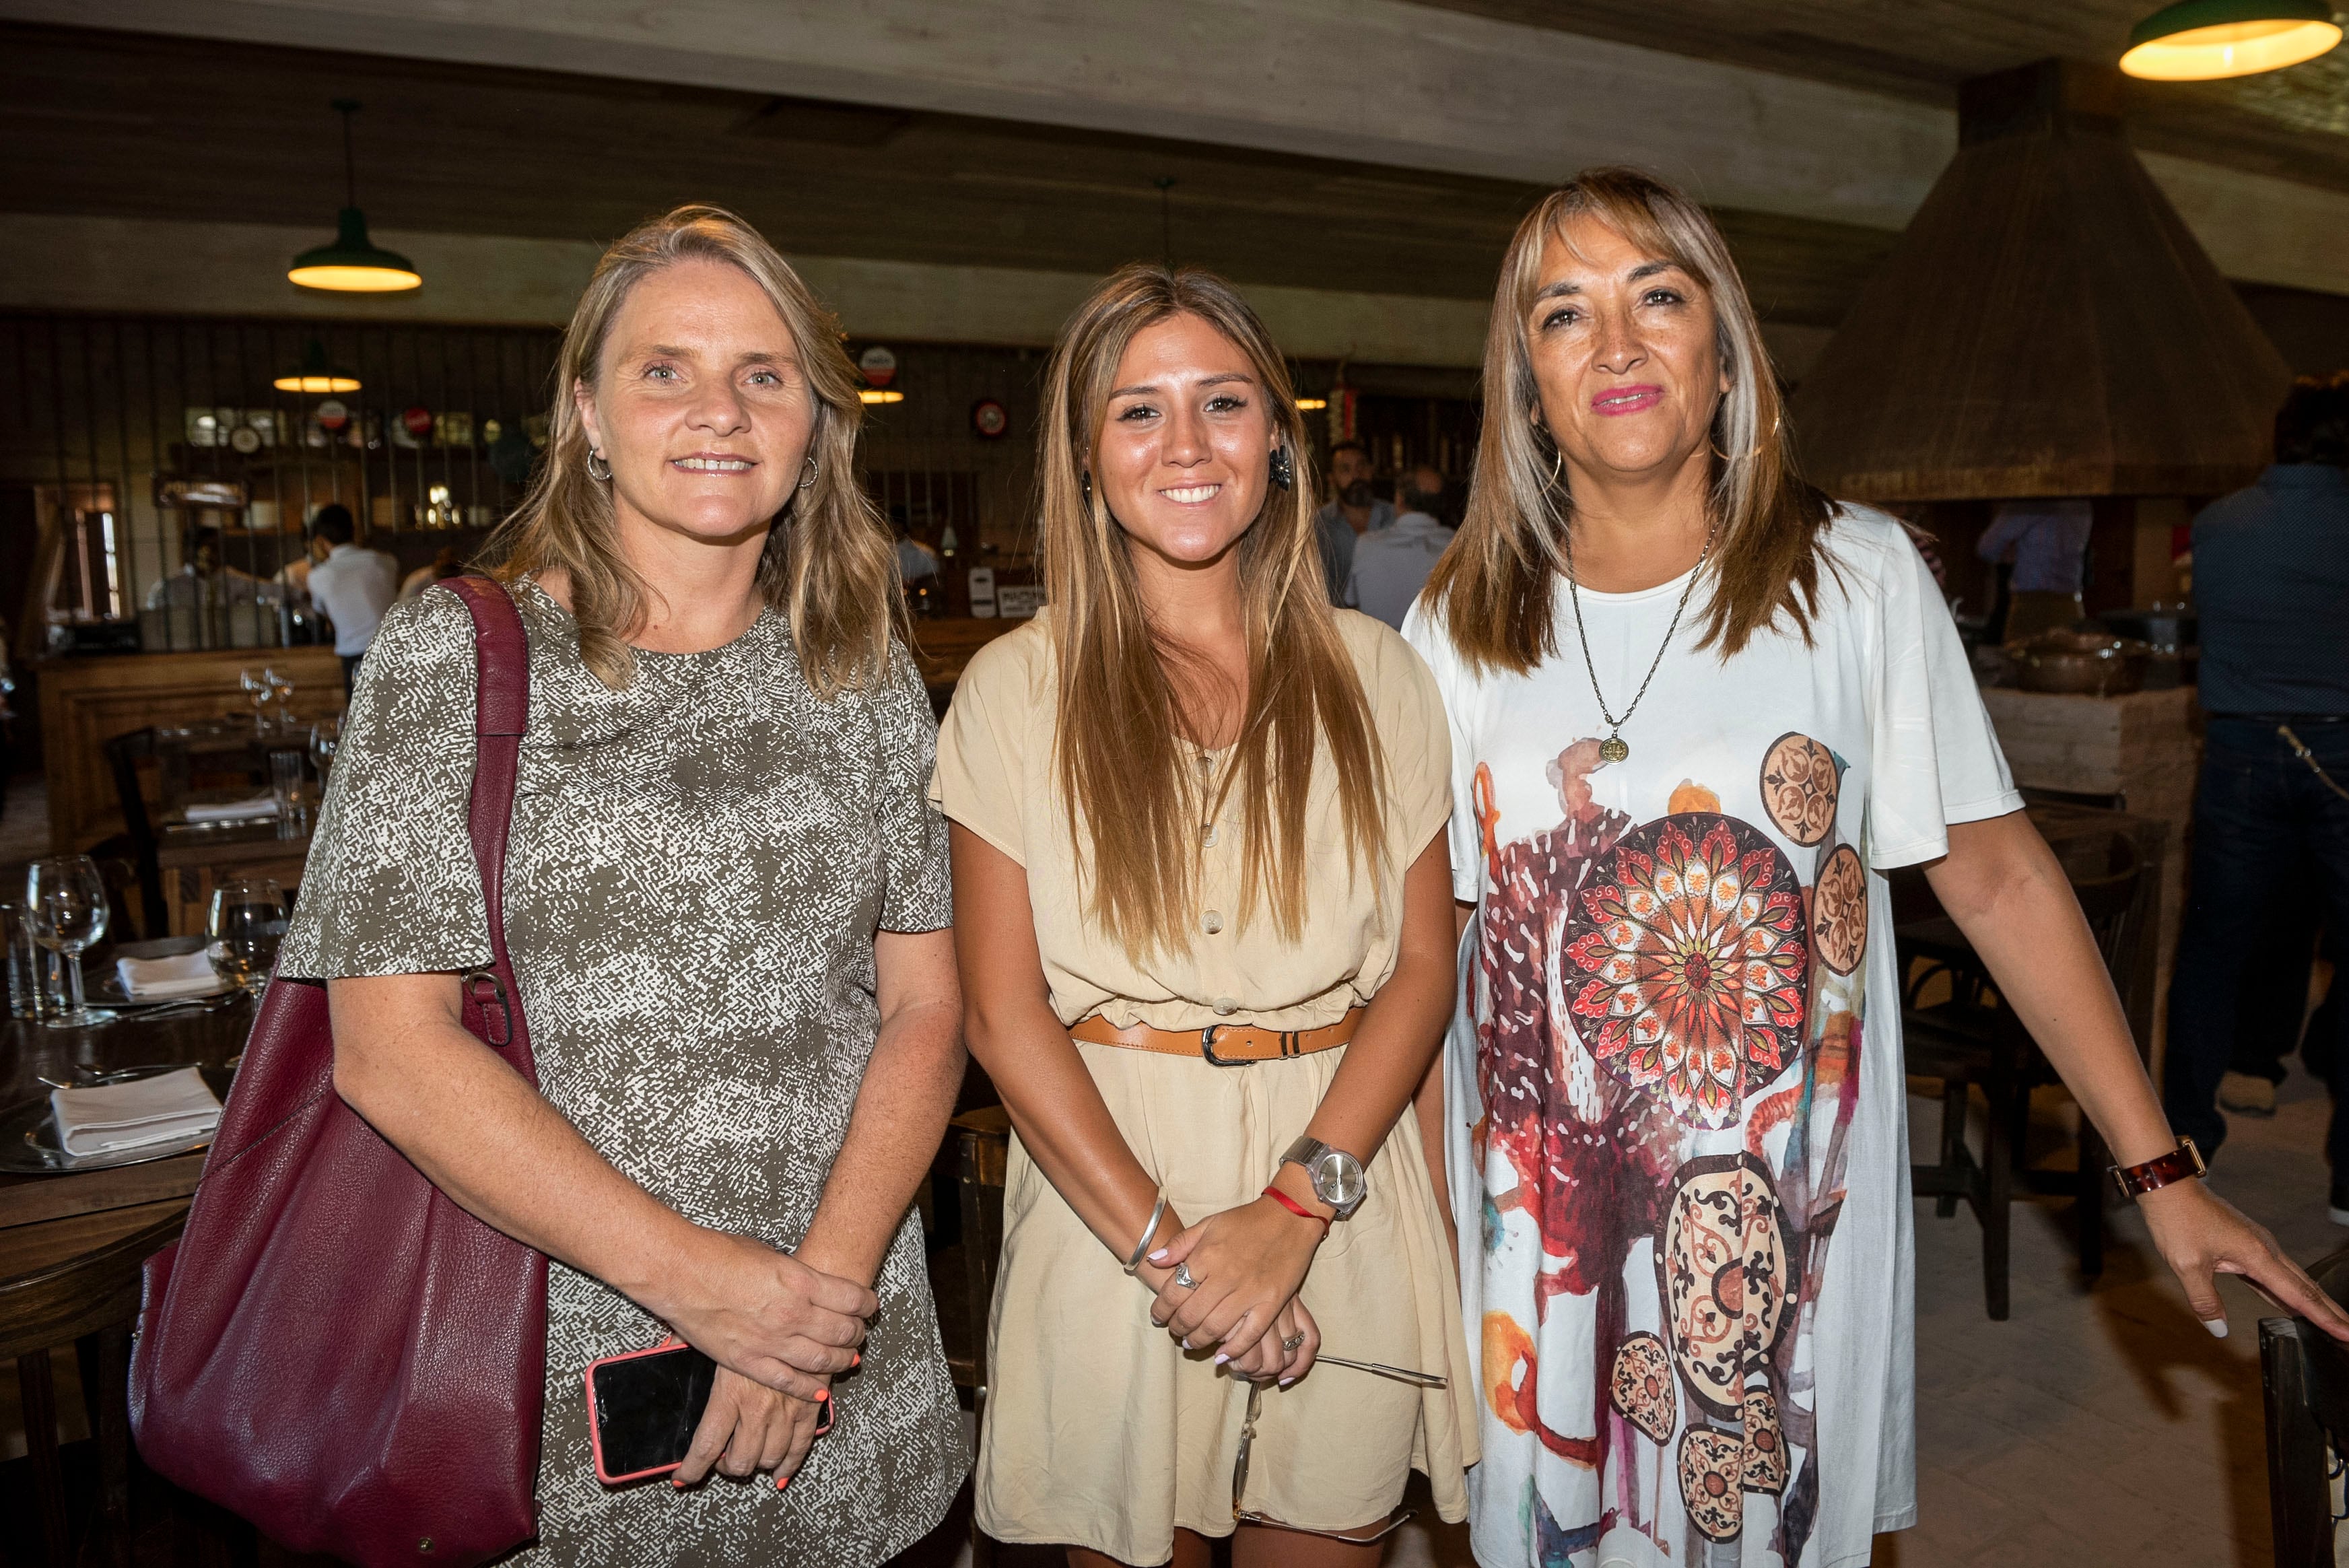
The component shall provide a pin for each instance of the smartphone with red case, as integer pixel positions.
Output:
(642, 1409)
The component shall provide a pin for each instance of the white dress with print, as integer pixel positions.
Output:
(1681, 1157)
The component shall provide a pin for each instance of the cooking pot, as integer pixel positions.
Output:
(2081, 661)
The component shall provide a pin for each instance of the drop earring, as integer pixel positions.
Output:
(1086, 485)
(1282, 471)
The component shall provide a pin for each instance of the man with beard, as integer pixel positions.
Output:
(1352, 510)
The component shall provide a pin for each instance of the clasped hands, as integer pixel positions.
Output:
(1249, 1263)
(780, 1327)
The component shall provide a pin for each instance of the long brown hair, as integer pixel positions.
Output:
(1135, 797)
(1493, 590)
(829, 565)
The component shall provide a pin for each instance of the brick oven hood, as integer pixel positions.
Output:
(2046, 325)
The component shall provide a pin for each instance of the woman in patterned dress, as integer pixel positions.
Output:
(1201, 908)
(1680, 1152)
(725, 896)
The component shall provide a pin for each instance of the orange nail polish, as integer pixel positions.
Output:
(783, 1482)
(856, 1358)
(824, 1393)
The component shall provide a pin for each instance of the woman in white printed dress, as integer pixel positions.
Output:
(1697, 710)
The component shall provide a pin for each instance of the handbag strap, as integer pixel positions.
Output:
(492, 1005)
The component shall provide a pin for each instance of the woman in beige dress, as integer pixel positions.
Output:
(1202, 918)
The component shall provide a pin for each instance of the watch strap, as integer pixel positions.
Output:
(2183, 1163)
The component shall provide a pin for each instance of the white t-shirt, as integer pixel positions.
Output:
(1682, 1179)
(354, 586)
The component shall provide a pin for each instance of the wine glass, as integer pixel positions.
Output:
(64, 904)
(281, 692)
(326, 739)
(256, 684)
(242, 933)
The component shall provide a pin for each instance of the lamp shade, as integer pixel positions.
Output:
(2202, 40)
(316, 377)
(353, 263)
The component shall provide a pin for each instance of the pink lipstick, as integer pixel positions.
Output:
(1627, 401)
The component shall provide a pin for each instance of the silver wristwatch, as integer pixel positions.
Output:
(1336, 1175)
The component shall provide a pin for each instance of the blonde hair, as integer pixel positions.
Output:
(829, 566)
(1120, 758)
(1493, 590)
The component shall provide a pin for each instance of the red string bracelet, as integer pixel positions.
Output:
(1295, 1208)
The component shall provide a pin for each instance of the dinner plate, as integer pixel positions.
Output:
(29, 1132)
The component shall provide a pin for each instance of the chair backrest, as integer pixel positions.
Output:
(123, 755)
(2304, 1386)
(2108, 899)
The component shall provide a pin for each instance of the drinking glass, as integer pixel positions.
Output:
(65, 903)
(242, 933)
(24, 964)
(326, 739)
(256, 684)
(289, 785)
(281, 692)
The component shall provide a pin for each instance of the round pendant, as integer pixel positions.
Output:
(1614, 749)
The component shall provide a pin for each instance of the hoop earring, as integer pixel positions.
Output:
(1282, 469)
(1557, 467)
(601, 475)
(807, 474)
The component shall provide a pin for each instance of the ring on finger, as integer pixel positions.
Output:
(1183, 1276)
(1288, 1346)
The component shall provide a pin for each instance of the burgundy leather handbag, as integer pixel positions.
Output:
(332, 1349)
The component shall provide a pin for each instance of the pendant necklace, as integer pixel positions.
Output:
(1614, 749)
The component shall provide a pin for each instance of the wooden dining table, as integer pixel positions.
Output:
(70, 1242)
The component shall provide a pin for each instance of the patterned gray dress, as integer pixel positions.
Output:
(698, 863)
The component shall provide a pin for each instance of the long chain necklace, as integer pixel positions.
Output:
(1614, 749)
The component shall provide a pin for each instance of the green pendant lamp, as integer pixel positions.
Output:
(353, 263)
(2203, 40)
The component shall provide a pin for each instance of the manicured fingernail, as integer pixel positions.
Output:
(1285, 1382)
(2216, 1325)
(676, 1483)
(856, 1358)
(1187, 1345)
(783, 1482)
(1221, 1357)
(824, 1393)
(1159, 1256)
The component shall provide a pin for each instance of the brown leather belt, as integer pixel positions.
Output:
(1225, 1045)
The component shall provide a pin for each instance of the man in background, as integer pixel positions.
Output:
(350, 585)
(2047, 541)
(2272, 810)
(1391, 565)
(1352, 513)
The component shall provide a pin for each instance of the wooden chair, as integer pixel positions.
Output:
(123, 755)
(2304, 1386)
(69, 1280)
(1973, 1040)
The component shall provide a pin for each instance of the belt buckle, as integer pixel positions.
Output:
(1207, 1049)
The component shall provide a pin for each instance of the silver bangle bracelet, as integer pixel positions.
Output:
(1134, 1259)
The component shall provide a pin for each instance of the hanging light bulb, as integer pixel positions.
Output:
(353, 263)
(2203, 40)
(316, 377)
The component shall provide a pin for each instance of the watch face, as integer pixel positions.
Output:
(1337, 1179)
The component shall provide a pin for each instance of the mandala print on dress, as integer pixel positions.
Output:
(1690, 934)
(1840, 911)
(1711, 1488)
(1762, 1462)
(1799, 785)
(1641, 1386)
(1722, 1270)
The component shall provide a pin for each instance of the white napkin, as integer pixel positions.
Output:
(160, 979)
(233, 810)
(167, 1108)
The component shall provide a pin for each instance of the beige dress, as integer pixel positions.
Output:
(1099, 1431)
